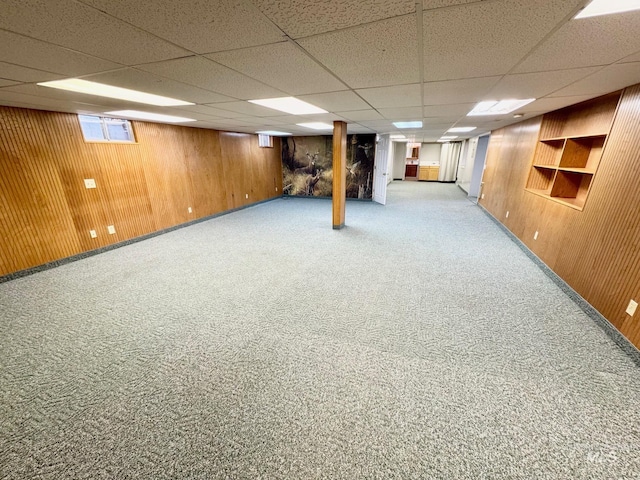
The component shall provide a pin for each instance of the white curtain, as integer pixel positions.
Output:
(449, 157)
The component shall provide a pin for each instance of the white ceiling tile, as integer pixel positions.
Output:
(587, 42)
(392, 97)
(401, 113)
(549, 104)
(631, 58)
(336, 101)
(82, 28)
(377, 124)
(5, 82)
(19, 99)
(537, 85)
(458, 91)
(358, 115)
(24, 74)
(303, 18)
(211, 111)
(486, 38)
(429, 4)
(246, 109)
(212, 76)
(439, 122)
(447, 110)
(150, 83)
(378, 54)
(296, 75)
(20, 50)
(199, 26)
(607, 80)
(355, 128)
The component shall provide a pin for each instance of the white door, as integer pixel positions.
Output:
(380, 170)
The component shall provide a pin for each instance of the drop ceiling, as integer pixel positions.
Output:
(367, 62)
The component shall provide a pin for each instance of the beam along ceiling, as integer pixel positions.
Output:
(368, 62)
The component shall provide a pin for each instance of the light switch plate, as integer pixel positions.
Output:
(111, 229)
(89, 183)
(631, 309)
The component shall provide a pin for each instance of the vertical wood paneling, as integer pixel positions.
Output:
(596, 251)
(46, 212)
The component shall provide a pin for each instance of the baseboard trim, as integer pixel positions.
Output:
(612, 332)
(74, 258)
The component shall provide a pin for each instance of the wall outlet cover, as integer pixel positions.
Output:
(507, 214)
(93, 234)
(631, 309)
(190, 210)
(111, 229)
(482, 197)
(89, 183)
(535, 236)
(246, 195)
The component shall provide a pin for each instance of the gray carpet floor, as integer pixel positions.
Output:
(418, 342)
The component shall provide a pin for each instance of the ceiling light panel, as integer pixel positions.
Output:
(461, 129)
(102, 90)
(606, 7)
(290, 105)
(155, 117)
(498, 107)
(415, 124)
(273, 133)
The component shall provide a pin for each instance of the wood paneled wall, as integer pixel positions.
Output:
(46, 212)
(596, 251)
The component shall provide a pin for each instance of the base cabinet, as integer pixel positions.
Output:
(429, 173)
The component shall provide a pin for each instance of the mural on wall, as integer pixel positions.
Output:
(307, 166)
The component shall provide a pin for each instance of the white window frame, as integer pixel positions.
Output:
(104, 122)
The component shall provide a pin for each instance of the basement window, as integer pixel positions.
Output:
(105, 129)
(265, 141)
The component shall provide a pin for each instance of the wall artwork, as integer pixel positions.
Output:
(307, 166)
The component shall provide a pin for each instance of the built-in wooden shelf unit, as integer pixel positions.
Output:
(569, 150)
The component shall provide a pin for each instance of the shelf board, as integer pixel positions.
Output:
(575, 203)
(574, 137)
(550, 167)
(543, 193)
(586, 171)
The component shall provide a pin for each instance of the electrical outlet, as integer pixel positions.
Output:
(93, 234)
(276, 189)
(631, 309)
(482, 197)
(89, 183)
(535, 236)
(507, 214)
(190, 210)
(246, 195)
(111, 229)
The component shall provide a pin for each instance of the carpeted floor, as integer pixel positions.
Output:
(418, 342)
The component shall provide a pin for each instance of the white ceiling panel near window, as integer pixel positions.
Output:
(23, 100)
(486, 38)
(82, 28)
(200, 26)
(536, 85)
(552, 103)
(401, 113)
(212, 76)
(378, 54)
(587, 42)
(147, 82)
(303, 18)
(393, 97)
(27, 52)
(283, 64)
(604, 81)
(458, 91)
(246, 108)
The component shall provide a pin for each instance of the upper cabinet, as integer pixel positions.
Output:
(569, 150)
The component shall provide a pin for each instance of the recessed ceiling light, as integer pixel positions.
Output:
(518, 115)
(316, 125)
(416, 124)
(396, 137)
(461, 129)
(447, 138)
(605, 7)
(92, 88)
(289, 105)
(273, 133)
(157, 117)
(498, 107)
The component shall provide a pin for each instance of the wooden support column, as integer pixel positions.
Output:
(339, 172)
